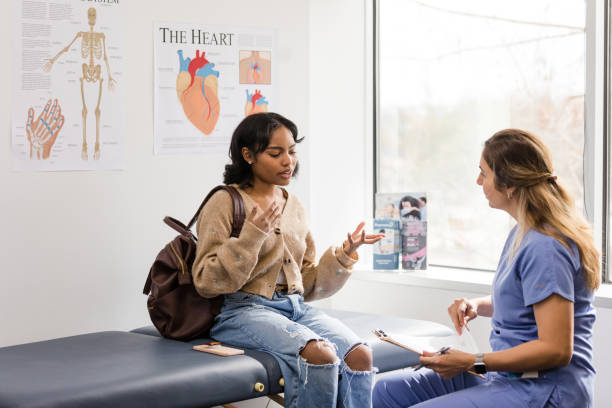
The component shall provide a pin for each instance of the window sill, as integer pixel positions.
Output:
(461, 280)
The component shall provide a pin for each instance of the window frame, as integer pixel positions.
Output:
(606, 139)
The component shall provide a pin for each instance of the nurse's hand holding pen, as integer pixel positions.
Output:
(454, 362)
(463, 310)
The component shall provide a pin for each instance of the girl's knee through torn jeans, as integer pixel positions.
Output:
(282, 326)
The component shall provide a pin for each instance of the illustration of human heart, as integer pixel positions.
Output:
(255, 103)
(197, 89)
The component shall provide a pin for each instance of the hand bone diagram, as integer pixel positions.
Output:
(42, 132)
(197, 90)
(255, 103)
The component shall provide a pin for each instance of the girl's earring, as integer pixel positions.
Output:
(509, 195)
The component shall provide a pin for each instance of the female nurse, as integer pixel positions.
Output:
(541, 306)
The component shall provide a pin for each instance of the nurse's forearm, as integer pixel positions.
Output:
(484, 307)
(554, 346)
(531, 356)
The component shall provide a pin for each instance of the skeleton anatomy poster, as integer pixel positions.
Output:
(67, 85)
(207, 79)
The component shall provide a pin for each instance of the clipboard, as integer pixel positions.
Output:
(385, 337)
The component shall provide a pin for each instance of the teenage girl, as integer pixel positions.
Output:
(268, 272)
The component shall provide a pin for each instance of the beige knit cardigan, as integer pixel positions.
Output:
(253, 261)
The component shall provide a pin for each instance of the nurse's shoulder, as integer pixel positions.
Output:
(543, 249)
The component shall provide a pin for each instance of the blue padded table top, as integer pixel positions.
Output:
(139, 368)
(387, 357)
(120, 369)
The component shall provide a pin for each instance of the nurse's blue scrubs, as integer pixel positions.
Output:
(541, 267)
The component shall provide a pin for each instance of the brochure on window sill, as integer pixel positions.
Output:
(418, 344)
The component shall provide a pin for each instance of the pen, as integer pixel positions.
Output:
(476, 374)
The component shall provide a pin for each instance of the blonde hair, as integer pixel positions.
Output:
(520, 160)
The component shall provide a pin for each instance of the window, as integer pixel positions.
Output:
(450, 74)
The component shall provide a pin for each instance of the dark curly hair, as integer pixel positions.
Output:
(254, 133)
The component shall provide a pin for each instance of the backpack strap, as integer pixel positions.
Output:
(178, 226)
(237, 204)
(239, 211)
(147, 286)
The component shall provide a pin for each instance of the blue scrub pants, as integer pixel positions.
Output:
(426, 389)
(282, 326)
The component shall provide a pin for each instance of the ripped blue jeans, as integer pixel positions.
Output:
(282, 326)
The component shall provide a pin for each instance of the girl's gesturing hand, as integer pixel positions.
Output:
(358, 238)
(267, 219)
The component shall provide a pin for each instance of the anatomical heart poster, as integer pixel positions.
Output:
(207, 79)
(67, 104)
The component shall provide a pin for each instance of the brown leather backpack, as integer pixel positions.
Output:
(175, 307)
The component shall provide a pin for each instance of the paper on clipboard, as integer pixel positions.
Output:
(466, 342)
(411, 343)
(418, 344)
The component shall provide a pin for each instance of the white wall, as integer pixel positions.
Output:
(338, 90)
(76, 246)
